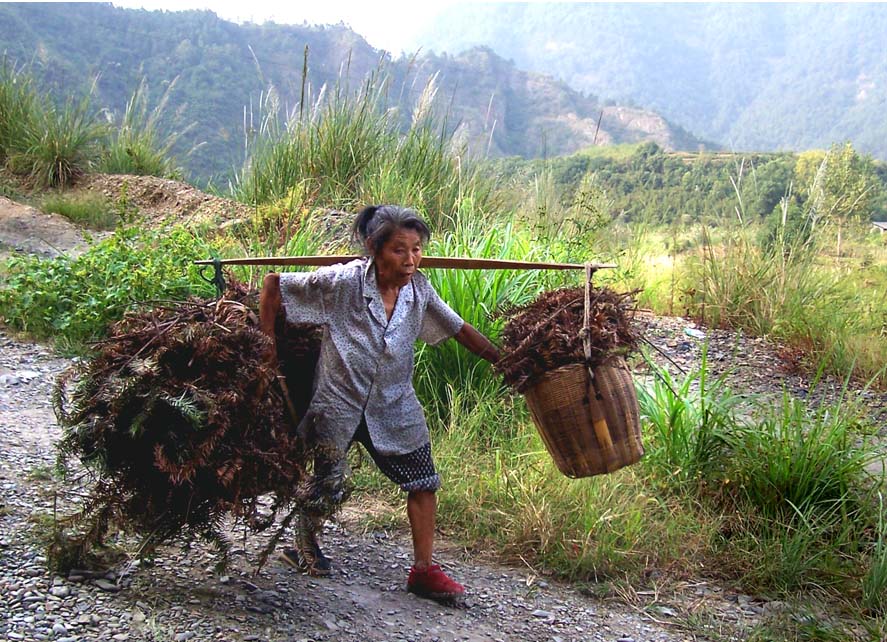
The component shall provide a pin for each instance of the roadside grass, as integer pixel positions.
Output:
(788, 293)
(874, 583)
(795, 461)
(90, 210)
(649, 260)
(773, 499)
(290, 226)
(832, 312)
(807, 625)
(691, 421)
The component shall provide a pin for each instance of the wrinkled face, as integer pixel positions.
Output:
(399, 258)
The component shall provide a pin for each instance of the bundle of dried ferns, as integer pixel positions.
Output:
(547, 333)
(179, 418)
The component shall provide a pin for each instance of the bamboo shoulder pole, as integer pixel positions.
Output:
(460, 263)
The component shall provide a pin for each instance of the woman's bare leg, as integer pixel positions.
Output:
(427, 579)
(421, 509)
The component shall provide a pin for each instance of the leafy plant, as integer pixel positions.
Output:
(72, 300)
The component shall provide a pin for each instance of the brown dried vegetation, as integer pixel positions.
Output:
(547, 333)
(180, 419)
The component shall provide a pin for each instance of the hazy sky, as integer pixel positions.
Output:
(386, 24)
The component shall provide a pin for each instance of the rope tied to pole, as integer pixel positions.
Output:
(595, 398)
(218, 278)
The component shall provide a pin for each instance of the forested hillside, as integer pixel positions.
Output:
(644, 183)
(751, 76)
(224, 70)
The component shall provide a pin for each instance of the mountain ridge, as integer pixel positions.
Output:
(761, 77)
(223, 68)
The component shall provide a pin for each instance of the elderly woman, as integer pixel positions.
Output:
(372, 311)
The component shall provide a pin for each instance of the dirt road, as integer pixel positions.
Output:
(181, 598)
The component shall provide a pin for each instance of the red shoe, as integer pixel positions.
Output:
(432, 582)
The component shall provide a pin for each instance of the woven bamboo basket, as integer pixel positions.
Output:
(588, 417)
(589, 426)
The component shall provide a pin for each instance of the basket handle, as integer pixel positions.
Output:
(598, 418)
(586, 326)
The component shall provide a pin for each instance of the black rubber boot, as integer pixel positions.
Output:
(306, 556)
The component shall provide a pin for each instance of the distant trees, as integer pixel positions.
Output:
(797, 193)
(839, 186)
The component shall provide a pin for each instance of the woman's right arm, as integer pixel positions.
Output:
(270, 303)
(302, 296)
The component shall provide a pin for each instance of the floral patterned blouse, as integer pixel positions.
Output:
(366, 360)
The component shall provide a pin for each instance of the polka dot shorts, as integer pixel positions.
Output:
(412, 472)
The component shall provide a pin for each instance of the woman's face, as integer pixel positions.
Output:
(399, 258)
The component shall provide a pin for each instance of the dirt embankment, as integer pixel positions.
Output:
(26, 229)
(160, 198)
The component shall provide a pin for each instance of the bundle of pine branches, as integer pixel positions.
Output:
(181, 419)
(547, 333)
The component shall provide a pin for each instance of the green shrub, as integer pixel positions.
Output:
(58, 144)
(72, 300)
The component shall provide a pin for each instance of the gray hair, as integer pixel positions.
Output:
(377, 223)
